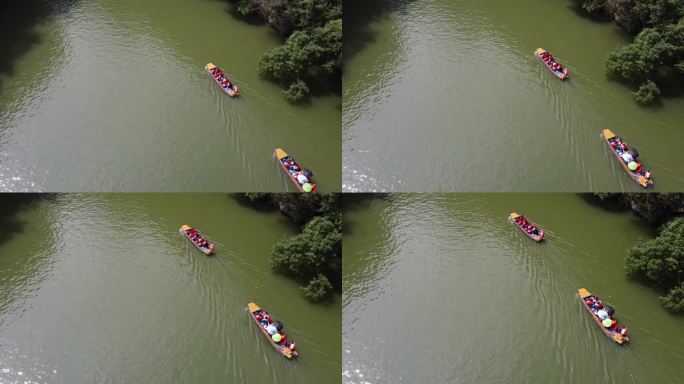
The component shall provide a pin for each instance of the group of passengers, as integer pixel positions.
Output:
(628, 156)
(603, 313)
(551, 62)
(302, 176)
(197, 238)
(221, 78)
(527, 226)
(274, 328)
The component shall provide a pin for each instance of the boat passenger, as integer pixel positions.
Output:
(623, 146)
(623, 331)
(614, 326)
(302, 179)
(638, 170)
(627, 157)
(283, 339)
(271, 329)
(602, 314)
(647, 174)
(292, 346)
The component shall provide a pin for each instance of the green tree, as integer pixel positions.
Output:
(660, 261)
(674, 300)
(297, 91)
(304, 254)
(657, 49)
(592, 5)
(313, 48)
(314, 255)
(318, 288)
(647, 93)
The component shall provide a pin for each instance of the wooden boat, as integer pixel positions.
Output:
(231, 90)
(284, 158)
(254, 310)
(640, 178)
(206, 250)
(615, 336)
(538, 237)
(559, 74)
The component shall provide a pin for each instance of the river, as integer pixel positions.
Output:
(443, 289)
(104, 95)
(444, 95)
(103, 288)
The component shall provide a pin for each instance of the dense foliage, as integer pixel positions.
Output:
(313, 48)
(660, 261)
(655, 208)
(657, 52)
(314, 256)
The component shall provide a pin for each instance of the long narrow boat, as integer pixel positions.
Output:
(559, 74)
(613, 335)
(231, 90)
(639, 177)
(286, 161)
(516, 219)
(284, 350)
(208, 250)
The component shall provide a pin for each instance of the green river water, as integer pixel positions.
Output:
(446, 95)
(103, 95)
(103, 289)
(443, 289)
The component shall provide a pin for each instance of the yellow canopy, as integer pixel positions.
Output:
(583, 293)
(211, 66)
(253, 307)
(608, 134)
(280, 154)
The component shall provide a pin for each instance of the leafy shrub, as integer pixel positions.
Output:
(647, 93)
(318, 289)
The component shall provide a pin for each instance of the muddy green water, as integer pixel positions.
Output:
(444, 95)
(443, 289)
(103, 288)
(102, 95)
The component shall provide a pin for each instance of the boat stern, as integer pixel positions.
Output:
(287, 352)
